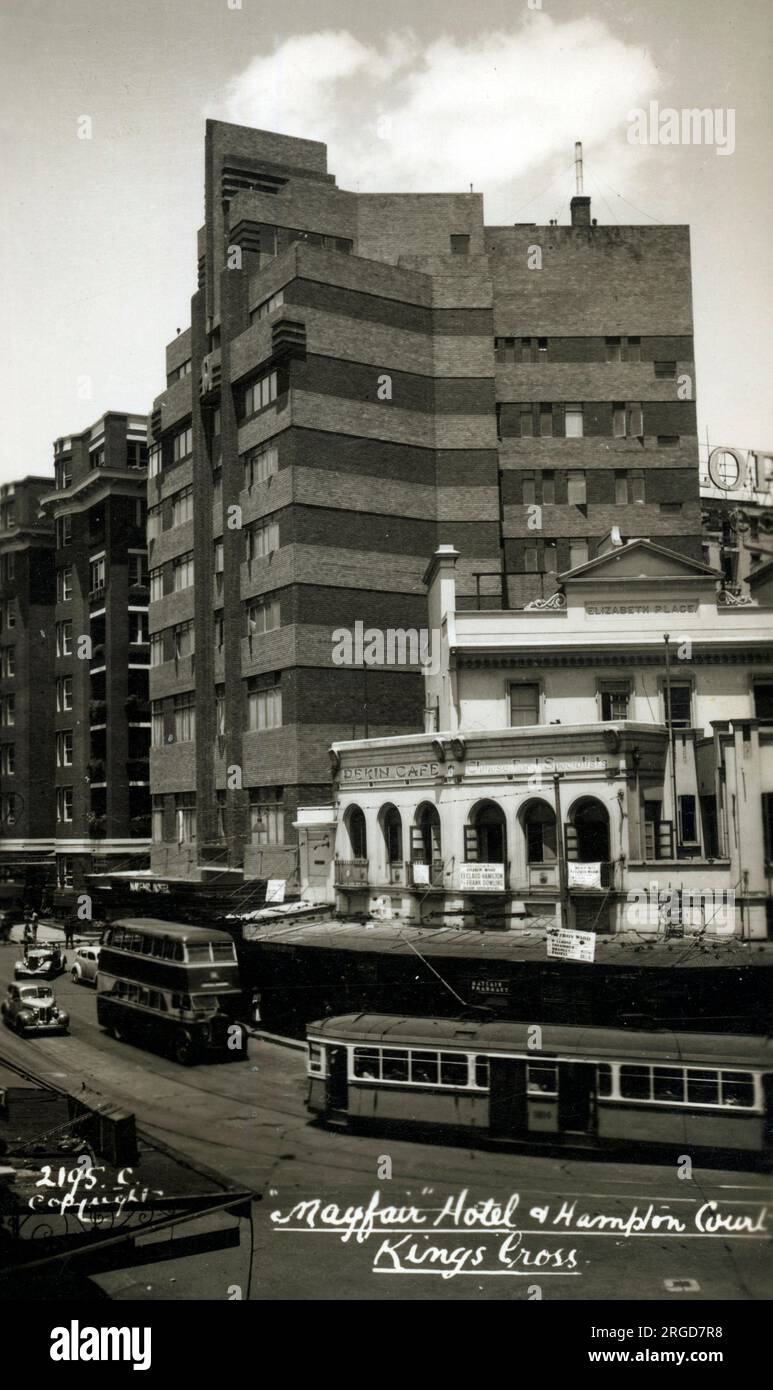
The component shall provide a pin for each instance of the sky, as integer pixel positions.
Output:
(98, 234)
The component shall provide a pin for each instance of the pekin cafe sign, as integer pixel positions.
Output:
(390, 772)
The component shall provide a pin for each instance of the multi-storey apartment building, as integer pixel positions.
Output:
(101, 714)
(26, 686)
(367, 376)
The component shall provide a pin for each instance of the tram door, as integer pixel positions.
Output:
(576, 1098)
(508, 1115)
(337, 1096)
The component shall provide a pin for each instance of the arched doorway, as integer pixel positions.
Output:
(392, 830)
(486, 834)
(539, 827)
(425, 836)
(588, 832)
(354, 821)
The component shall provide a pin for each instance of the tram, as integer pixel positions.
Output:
(516, 1082)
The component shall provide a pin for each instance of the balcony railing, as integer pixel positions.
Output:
(351, 873)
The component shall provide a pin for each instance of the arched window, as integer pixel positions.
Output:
(485, 836)
(539, 824)
(425, 835)
(392, 826)
(354, 820)
(587, 833)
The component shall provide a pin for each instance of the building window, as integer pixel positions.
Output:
(530, 557)
(633, 349)
(157, 723)
(136, 453)
(155, 523)
(185, 717)
(264, 704)
(688, 821)
(155, 461)
(64, 638)
(638, 486)
(460, 243)
(156, 584)
(259, 394)
(63, 474)
(184, 635)
(182, 506)
(157, 649)
(8, 667)
(157, 819)
(8, 711)
(267, 821)
(526, 422)
(262, 538)
(618, 420)
(219, 630)
(217, 567)
(665, 369)
(138, 628)
(614, 696)
(64, 804)
(64, 693)
(504, 350)
(64, 584)
(261, 463)
(614, 350)
(64, 871)
(263, 615)
(573, 427)
(524, 704)
(182, 571)
(138, 569)
(528, 489)
(578, 552)
(185, 816)
(681, 704)
(97, 574)
(548, 489)
(667, 441)
(546, 421)
(576, 491)
(763, 701)
(220, 710)
(97, 457)
(64, 748)
(182, 444)
(635, 421)
(63, 530)
(9, 567)
(267, 306)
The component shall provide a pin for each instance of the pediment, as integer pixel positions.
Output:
(640, 560)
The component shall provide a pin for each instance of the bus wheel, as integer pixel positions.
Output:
(184, 1048)
(118, 1032)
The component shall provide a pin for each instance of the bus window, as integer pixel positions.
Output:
(223, 950)
(635, 1083)
(158, 946)
(394, 1066)
(541, 1079)
(198, 950)
(703, 1087)
(173, 950)
(737, 1088)
(453, 1069)
(366, 1063)
(604, 1083)
(424, 1067)
(147, 945)
(143, 995)
(668, 1084)
(481, 1072)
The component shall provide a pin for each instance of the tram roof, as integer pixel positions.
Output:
(626, 949)
(180, 931)
(500, 1036)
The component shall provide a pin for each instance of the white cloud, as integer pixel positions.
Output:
(492, 111)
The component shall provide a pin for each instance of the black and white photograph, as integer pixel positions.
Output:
(386, 664)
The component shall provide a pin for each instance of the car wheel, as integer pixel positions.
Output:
(20, 1029)
(119, 1032)
(75, 973)
(184, 1049)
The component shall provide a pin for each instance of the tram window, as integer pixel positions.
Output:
(635, 1083)
(143, 995)
(158, 946)
(482, 1072)
(316, 1057)
(394, 1065)
(737, 1088)
(147, 945)
(703, 1087)
(366, 1062)
(424, 1067)
(198, 951)
(604, 1083)
(541, 1079)
(668, 1084)
(453, 1069)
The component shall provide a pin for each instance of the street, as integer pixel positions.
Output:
(591, 1227)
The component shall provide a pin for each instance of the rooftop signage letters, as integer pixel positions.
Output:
(391, 772)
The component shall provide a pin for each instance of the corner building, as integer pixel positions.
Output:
(352, 392)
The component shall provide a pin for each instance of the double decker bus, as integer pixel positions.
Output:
(171, 986)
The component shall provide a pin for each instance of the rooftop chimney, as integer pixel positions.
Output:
(580, 205)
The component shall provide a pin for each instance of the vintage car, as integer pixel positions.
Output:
(40, 961)
(85, 965)
(32, 1008)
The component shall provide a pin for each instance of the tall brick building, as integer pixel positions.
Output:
(367, 376)
(100, 715)
(26, 690)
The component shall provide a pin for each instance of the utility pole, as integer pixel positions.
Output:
(671, 746)
(563, 888)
